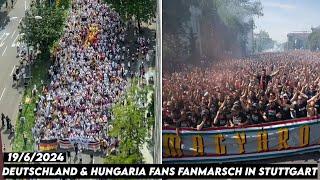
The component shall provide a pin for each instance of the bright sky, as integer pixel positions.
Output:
(284, 16)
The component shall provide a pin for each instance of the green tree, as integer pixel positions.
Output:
(131, 125)
(139, 10)
(62, 3)
(230, 21)
(235, 13)
(314, 40)
(42, 25)
(44, 31)
(179, 40)
(262, 42)
(175, 15)
(237, 16)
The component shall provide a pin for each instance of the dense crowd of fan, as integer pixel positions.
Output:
(237, 92)
(91, 69)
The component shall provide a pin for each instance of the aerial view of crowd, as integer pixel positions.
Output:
(90, 72)
(263, 88)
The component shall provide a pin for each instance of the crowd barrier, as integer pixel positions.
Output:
(228, 144)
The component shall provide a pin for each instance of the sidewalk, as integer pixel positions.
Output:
(8, 3)
(10, 96)
(147, 156)
(4, 11)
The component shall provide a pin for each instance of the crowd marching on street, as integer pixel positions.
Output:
(90, 72)
(238, 92)
(92, 67)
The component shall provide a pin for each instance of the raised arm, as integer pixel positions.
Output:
(251, 74)
(302, 92)
(215, 121)
(295, 96)
(276, 72)
(314, 98)
(242, 97)
(200, 126)
(243, 104)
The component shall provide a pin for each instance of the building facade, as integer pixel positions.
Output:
(298, 40)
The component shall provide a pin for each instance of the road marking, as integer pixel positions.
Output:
(20, 20)
(25, 5)
(2, 42)
(13, 70)
(13, 33)
(14, 42)
(2, 93)
(3, 34)
(12, 18)
(4, 50)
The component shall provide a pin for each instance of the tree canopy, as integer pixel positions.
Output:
(227, 22)
(236, 13)
(139, 10)
(131, 125)
(314, 40)
(45, 30)
(262, 42)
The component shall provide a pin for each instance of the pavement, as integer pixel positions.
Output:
(10, 96)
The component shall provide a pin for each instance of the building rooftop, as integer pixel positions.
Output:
(302, 34)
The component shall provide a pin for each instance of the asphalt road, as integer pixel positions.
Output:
(9, 96)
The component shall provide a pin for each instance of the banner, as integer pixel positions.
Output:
(48, 145)
(85, 144)
(159, 171)
(94, 146)
(65, 144)
(268, 140)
